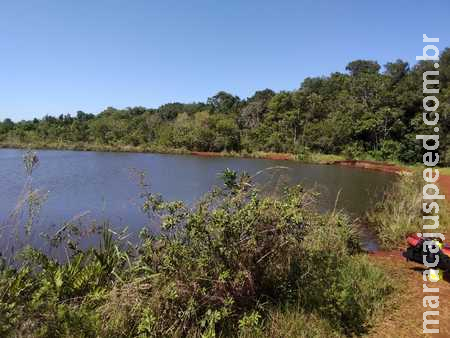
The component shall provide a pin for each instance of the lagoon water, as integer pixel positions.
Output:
(101, 186)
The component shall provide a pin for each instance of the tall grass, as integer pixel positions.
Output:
(445, 171)
(295, 322)
(400, 212)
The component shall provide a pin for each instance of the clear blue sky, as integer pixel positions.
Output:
(59, 56)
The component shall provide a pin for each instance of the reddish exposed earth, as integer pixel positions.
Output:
(444, 183)
(373, 165)
(404, 319)
(268, 156)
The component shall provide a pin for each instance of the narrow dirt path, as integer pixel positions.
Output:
(405, 319)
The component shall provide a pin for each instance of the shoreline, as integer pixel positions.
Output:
(313, 158)
(324, 158)
(391, 261)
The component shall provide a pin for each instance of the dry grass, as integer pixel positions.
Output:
(296, 323)
(445, 171)
(400, 212)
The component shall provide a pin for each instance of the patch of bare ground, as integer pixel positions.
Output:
(405, 319)
(444, 183)
(372, 165)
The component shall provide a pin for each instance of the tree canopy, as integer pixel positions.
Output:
(366, 112)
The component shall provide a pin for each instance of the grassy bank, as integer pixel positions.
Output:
(400, 212)
(308, 157)
(237, 264)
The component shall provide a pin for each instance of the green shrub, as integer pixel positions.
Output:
(295, 322)
(353, 151)
(224, 263)
(219, 269)
(390, 150)
(337, 282)
(400, 212)
(303, 153)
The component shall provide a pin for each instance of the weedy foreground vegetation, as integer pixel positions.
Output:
(237, 264)
(401, 212)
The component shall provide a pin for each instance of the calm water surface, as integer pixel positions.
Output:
(101, 185)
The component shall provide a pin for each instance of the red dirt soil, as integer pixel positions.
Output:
(372, 165)
(268, 156)
(205, 154)
(444, 183)
(404, 319)
(279, 156)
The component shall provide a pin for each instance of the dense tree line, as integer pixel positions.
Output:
(367, 112)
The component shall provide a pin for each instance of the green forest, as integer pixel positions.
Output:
(368, 112)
